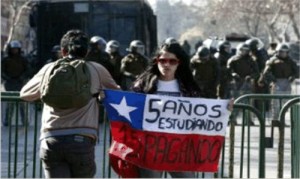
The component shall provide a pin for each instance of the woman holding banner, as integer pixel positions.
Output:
(168, 74)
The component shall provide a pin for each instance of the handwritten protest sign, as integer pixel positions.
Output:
(167, 133)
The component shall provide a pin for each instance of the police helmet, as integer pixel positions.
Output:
(254, 43)
(170, 40)
(203, 51)
(112, 46)
(15, 44)
(222, 45)
(212, 44)
(99, 41)
(283, 47)
(137, 46)
(242, 47)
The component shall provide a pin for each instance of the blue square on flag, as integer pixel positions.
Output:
(126, 106)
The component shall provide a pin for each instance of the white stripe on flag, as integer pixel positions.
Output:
(181, 115)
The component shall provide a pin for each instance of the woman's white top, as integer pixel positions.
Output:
(168, 88)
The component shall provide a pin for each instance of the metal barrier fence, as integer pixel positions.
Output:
(281, 139)
(279, 121)
(20, 139)
(18, 150)
(243, 142)
(295, 133)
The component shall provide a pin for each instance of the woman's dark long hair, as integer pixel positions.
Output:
(147, 80)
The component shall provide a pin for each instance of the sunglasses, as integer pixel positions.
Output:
(171, 61)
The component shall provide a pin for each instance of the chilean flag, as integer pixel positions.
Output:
(165, 133)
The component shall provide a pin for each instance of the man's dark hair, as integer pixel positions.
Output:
(75, 42)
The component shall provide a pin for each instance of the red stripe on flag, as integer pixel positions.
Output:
(166, 151)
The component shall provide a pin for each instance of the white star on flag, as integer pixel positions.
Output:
(123, 109)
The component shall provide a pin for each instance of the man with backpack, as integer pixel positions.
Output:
(69, 88)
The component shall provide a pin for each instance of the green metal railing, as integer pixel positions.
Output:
(14, 150)
(295, 133)
(27, 134)
(281, 134)
(280, 123)
(264, 99)
(22, 143)
(261, 173)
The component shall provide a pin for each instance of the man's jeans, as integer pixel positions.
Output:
(70, 156)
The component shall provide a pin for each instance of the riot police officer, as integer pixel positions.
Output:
(112, 48)
(14, 75)
(260, 55)
(222, 56)
(133, 64)
(14, 67)
(243, 70)
(279, 73)
(97, 53)
(205, 71)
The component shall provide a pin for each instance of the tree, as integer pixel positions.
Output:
(177, 20)
(276, 18)
(17, 9)
(269, 20)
